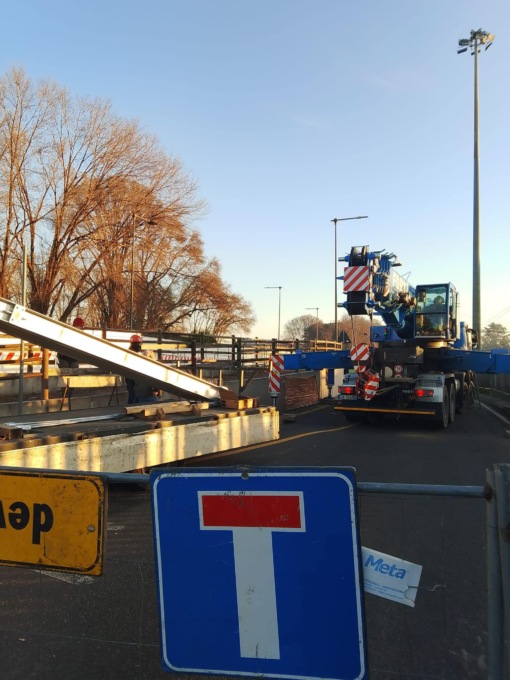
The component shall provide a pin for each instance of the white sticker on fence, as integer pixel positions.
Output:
(390, 577)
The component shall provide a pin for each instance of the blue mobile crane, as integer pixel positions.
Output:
(421, 360)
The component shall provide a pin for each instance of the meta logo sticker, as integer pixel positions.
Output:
(390, 577)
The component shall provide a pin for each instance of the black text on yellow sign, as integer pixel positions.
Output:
(52, 521)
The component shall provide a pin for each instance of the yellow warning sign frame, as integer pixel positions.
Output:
(52, 520)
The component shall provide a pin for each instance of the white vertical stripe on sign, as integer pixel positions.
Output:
(256, 593)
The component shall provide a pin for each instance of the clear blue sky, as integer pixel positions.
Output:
(289, 113)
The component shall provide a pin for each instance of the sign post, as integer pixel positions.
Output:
(259, 572)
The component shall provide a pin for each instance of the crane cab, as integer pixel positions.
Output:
(436, 312)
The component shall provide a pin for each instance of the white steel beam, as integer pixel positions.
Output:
(38, 329)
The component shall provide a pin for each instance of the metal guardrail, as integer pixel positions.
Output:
(495, 381)
(228, 358)
(497, 494)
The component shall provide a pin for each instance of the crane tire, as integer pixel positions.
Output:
(451, 414)
(443, 409)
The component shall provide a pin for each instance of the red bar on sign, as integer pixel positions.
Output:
(241, 510)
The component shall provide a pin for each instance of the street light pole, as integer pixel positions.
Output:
(131, 301)
(474, 41)
(317, 323)
(335, 220)
(141, 220)
(279, 305)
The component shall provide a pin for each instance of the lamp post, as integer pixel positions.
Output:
(132, 296)
(279, 304)
(335, 221)
(317, 323)
(141, 220)
(473, 43)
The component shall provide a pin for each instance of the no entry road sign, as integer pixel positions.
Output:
(259, 572)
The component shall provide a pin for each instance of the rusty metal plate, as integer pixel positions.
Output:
(52, 520)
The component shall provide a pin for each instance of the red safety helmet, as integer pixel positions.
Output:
(135, 338)
(78, 322)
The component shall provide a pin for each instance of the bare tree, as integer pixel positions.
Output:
(356, 328)
(296, 329)
(218, 309)
(22, 120)
(105, 214)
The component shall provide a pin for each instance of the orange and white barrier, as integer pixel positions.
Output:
(15, 356)
(359, 352)
(356, 279)
(368, 384)
(275, 370)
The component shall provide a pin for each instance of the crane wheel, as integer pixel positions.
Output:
(443, 409)
(466, 397)
(451, 415)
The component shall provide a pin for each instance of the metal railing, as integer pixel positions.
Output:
(217, 360)
(496, 493)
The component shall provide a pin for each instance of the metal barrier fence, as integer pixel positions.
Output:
(172, 348)
(495, 381)
(394, 636)
(219, 360)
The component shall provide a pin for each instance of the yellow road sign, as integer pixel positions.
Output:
(52, 520)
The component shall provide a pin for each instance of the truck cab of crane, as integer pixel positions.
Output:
(436, 312)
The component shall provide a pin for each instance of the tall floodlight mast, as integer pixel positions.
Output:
(476, 40)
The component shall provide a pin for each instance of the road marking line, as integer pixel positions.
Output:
(223, 454)
(74, 579)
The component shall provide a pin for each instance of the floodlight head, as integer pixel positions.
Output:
(476, 37)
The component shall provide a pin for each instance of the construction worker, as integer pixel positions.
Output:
(140, 392)
(62, 359)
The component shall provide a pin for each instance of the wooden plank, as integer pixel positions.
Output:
(148, 410)
(91, 380)
(11, 432)
(251, 402)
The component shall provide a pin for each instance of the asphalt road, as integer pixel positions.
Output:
(61, 626)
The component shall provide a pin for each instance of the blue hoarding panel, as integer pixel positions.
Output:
(259, 572)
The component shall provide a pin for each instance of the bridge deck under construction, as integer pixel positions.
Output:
(118, 439)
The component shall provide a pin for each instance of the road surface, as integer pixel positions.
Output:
(60, 626)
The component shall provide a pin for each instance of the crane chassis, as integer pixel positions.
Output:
(421, 360)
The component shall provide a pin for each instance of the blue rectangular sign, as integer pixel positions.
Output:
(259, 572)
